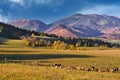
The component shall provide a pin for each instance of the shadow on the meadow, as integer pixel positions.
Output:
(2, 40)
(40, 56)
(16, 51)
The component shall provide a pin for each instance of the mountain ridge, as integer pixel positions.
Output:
(90, 25)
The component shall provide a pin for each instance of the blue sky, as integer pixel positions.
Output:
(51, 10)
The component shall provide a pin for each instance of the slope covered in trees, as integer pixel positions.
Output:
(66, 43)
(12, 32)
(9, 31)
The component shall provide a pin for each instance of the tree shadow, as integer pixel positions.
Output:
(17, 51)
(40, 56)
(2, 40)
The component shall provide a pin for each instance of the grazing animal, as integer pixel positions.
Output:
(57, 65)
(114, 70)
(78, 68)
(88, 69)
(100, 70)
(82, 68)
(117, 69)
(92, 68)
(96, 69)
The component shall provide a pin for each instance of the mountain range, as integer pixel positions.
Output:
(77, 25)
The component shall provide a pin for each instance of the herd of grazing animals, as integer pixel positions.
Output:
(90, 69)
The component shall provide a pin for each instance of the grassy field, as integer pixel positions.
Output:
(16, 51)
(114, 41)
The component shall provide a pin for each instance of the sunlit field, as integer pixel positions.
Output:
(18, 62)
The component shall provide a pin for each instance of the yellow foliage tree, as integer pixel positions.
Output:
(33, 35)
(71, 47)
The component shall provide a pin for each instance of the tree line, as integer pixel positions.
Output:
(65, 43)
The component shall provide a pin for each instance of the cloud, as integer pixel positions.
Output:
(43, 1)
(21, 2)
(25, 3)
(3, 19)
(102, 9)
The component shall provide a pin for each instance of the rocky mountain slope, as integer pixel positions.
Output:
(88, 25)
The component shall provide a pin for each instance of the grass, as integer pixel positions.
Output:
(46, 38)
(16, 51)
(24, 72)
(10, 43)
(114, 41)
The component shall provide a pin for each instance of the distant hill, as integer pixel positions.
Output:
(8, 31)
(89, 25)
(33, 25)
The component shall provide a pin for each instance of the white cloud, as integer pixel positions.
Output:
(30, 2)
(3, 19)
(102, 9)
(16, 1)
(43, 1)
(21, 2)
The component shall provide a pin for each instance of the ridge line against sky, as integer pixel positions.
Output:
(51, 10)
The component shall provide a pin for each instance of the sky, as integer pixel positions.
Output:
(49, 11)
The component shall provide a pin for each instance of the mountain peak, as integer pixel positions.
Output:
(33, 25)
